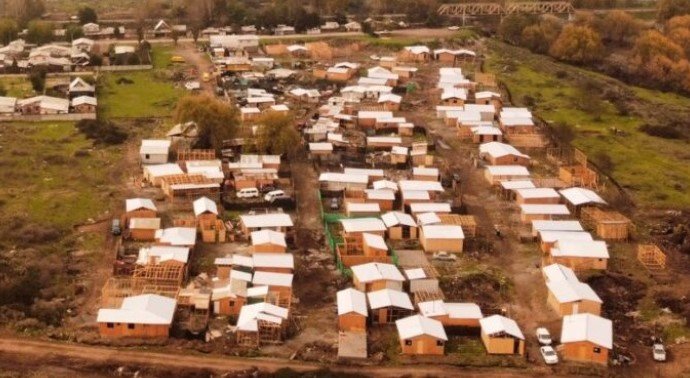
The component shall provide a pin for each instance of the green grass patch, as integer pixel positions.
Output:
(52, 175)
(654, 170)
(137, 94)
(19, 87)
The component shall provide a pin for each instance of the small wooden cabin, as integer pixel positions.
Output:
(421, 336)
(142, 316)
(502, 335)
(586, 338)
(352, 310)
(388, 305)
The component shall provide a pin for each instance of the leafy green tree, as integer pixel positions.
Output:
(217, 120)
(539, 37)
(73, 32)
(577, 44)
(277, 134)
(87, 15)
(38, 80)
(40, 32)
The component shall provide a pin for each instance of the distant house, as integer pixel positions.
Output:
(570, 296)
(139, 208)
(91, 29)
(353, 26)
(454, 315)
(43, 105)
(177, 236)
(279, 222)
(415, 54)
(284, 30)
(268, 241)
(352, 310)
(577, 198)
(502, 335)
(586, 338)
(494, 174)
(144, 229)
(377, 276)
(7, 105)
(205, 210)
(83, 44)
(579, 255)
(421, 336)
(496, 153)
(388, 305)
(162, 29)
(354, 228)
(435, 238)
(260, 319)
(142, 316)
(400, 225)
(84, 104)
(453, 56)
(154, 151)
(537, 196)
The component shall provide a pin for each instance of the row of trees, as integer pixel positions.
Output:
(616, 42)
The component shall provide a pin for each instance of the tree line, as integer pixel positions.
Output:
(616, 43)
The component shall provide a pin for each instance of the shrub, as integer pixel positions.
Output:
(666, 131)
(104, 132)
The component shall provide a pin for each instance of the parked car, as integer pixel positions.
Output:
(115, 227)
(268, 188)
(549, 354)
(248, 193)
(335, 204)
(268, 197)
(444, 256)
(659, 352)
(272, 194)
(543, 336)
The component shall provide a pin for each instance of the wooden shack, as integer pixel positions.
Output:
(568, 297)
(377, 276)
(142, 316)
(421, 336)
(401, 226)
(447, 238)
(352, 310)
(607, 224)
(388, 305)
(579, 255)
(586, 338)
(144, 229)
(502, 335)
(139, 208)
(268, 241)
(461, 316)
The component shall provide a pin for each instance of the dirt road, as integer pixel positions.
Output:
(66, 355)
(199, 60)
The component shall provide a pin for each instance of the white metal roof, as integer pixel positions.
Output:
(389, 298)
(381, 194)
(324, 146)
(375, 241)
(553, 236)
(364, 171)
(163, 253)
(544, 209)
(557, 225)
(370, 272)
(581, 196)
(496, 324)
(578, 248)
(266, 220)
(251, 314)
(368, 114)
(416, 325)
(415, 273)
(205, 205)
(363, 225)
(464, 311)
(395, 218)
(272, 279)
(517, 184)
(507, 170)
(343, 178)
(132, 204)
(352, 300)
(362, 207)
(415, 195)
(425, 171)
(486, 94)
(424, 219)
(429, 186)
(567, 291)
(144, 223)
(273, 260)
(558, 272)
(177, 236)
(141, 309)
(389, 97)
(486, 130)
(385, 184)
(426, 207)
(418, 49)
(532, 193)
(80, 100)
(587, 327)
(384, 139)
(432, 308)
(451, 92)
(498, 149)
(268, 237)
(443, 231)
(154, 146)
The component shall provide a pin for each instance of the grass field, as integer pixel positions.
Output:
(52, 175)
(654, 170)
(150, 93)
(19, 87)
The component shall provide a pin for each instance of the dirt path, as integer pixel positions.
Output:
(23, 351)
(199, 61)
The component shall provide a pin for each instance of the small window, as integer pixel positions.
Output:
(597, 350)
(148, 156)
(439, 342)
(110, 325)
(408, 342)
(130, 326)
(232, 303)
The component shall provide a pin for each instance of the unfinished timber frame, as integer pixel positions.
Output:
(608, 224)
(500, 9)
(652, 257)
(163, 280)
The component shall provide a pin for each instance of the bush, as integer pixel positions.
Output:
(666, 131)
(38, 80)
(604, 162)
(104, 132)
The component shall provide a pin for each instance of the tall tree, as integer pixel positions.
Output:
(87, 15)
(577, 44)
(619, 27)
(667, 9)
(8, 30)
(40, 32)
(217, 120)
(277, 134)
(511, 27)
(539, 37)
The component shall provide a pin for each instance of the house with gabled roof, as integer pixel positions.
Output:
(352, 310)
(420, 335)
(141, 316)
(502, 335)
(376, 276)
(586, 338)
(388, 305)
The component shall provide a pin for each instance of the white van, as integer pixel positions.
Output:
(273, 194)
(248, 193)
